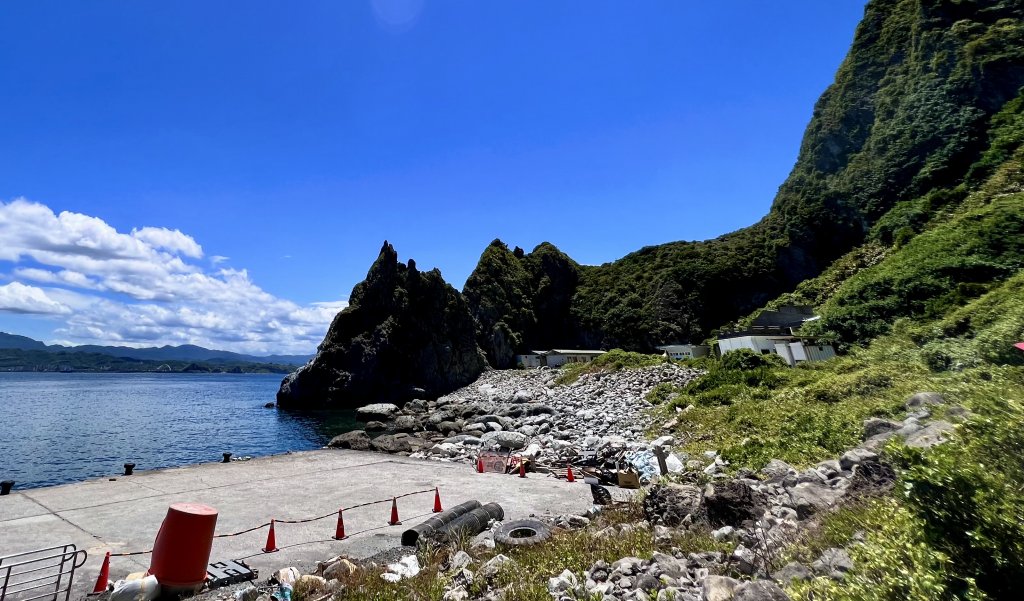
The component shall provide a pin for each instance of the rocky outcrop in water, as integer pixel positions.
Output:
(405, 334)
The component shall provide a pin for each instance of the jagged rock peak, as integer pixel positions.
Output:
(405, 334)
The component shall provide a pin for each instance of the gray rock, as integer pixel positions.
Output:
(375, 426)
(873, 426)
(668, 565)
(483, 541)
(856, 457)
(924, 399)
(376, 411)
(494, 565)
(719, 588)
(760, 590)
(416, 406)
(793, 571)
(627, 565)
(522, 396)
(511, 440)
(934, 433)
(563, 582)
(834, 563)
(356, 439)
(392, 443)
(460, 560)
(777, 470)
(808, 498)
(406, 423)
(723, 533)
(745, 560)
(646, 582)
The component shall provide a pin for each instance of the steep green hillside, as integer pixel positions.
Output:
(907, 116)
(933, 253)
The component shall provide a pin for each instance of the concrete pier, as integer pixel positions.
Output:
(123, 515)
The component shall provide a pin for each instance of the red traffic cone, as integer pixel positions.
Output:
(101, 582)
(339, 533)
(522, 469)
(437, 501)
(271, 539)
(479, 465)
(568, 475)
(394, 512)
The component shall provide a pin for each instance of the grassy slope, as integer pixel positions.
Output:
(936, 307)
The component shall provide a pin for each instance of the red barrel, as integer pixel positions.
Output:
(182, 548)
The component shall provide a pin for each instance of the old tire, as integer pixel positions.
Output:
(522, 533)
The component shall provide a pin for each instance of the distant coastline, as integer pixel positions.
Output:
(20, 360)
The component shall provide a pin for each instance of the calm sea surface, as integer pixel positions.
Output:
(57, 428)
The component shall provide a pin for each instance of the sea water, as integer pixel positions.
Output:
(57, 428)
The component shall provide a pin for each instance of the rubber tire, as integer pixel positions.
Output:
(504, 534)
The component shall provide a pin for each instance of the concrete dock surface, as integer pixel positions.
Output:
(123, 515)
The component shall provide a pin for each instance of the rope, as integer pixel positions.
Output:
(265, 524)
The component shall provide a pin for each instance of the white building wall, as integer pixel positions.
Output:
(754, 343)
(821, 352)
(786, 352)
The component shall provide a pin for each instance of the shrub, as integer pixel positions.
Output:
(969, 496)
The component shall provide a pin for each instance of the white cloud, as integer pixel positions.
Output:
(19, 298)
(173, 240)
(143, 288)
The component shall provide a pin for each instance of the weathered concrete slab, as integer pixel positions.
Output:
(124, 515)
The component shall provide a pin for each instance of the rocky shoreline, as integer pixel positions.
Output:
(523, 411)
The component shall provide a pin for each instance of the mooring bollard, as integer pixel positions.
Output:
(128, 467)
(6, 486)
(227, 458)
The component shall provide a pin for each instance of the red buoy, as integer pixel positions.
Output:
(182, 548)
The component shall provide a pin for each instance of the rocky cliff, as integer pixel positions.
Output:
(405, 334)
(521, 301)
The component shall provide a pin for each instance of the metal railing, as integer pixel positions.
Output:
(42, 574)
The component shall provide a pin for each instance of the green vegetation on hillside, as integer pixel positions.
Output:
(520, 301)
(613, 360)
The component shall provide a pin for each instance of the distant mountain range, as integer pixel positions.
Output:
(185, 352)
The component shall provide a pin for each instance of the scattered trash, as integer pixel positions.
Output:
(407, 567)
(142, 589)
(283, 593)
(287, 576)
(223, 573)
(248, 593)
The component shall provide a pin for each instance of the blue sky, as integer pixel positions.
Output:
(287, 141)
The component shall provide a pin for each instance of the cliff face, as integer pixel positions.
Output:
(521, 301)
(405, 334)
(907, 114)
